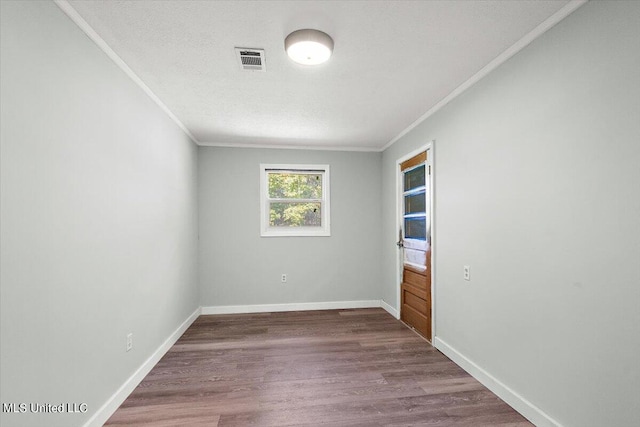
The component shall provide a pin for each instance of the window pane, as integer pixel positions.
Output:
(415, 203)
(415, 228)
(287, 185)
(284, 214)
(414, 178)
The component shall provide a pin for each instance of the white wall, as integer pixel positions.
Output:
(98, 218)
(538, 190)
(238, 267)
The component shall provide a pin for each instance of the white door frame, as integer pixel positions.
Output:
(430, 148)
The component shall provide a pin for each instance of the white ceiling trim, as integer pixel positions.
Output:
(99, 41)
(570, 7)
(291, 147)
(503, 57)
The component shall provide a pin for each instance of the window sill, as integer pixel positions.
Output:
(298, 232)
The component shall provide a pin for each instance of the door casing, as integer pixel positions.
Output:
(430, 148)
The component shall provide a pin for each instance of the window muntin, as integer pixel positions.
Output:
(294, 200)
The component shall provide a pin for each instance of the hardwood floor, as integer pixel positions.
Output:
(332, 368)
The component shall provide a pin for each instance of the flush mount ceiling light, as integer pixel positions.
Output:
(309, 47)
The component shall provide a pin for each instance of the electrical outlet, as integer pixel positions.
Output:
(283, 279)
(129, 341)
(467, 273)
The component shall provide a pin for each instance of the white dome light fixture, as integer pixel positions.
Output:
(309, 47)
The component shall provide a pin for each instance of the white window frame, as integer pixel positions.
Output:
(268, 231)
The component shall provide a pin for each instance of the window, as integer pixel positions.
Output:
(294, 200)
(415, 202)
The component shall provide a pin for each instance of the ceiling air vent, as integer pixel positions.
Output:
(251, 59)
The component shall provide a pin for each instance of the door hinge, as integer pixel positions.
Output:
(429, 169)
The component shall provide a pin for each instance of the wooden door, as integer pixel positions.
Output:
(415, 289)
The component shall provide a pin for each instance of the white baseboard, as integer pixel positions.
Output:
(301, 306)
(517, 402)
(392, 311)
(102, 415)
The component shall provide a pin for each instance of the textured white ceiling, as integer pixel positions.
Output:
(393, 61)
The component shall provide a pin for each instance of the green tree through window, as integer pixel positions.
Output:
(294, 200)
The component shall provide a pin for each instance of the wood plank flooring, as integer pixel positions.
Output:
(331, 368)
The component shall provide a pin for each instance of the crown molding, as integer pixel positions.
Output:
(547, 24)
(565, 11)
(290, 147)
(66, 7)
